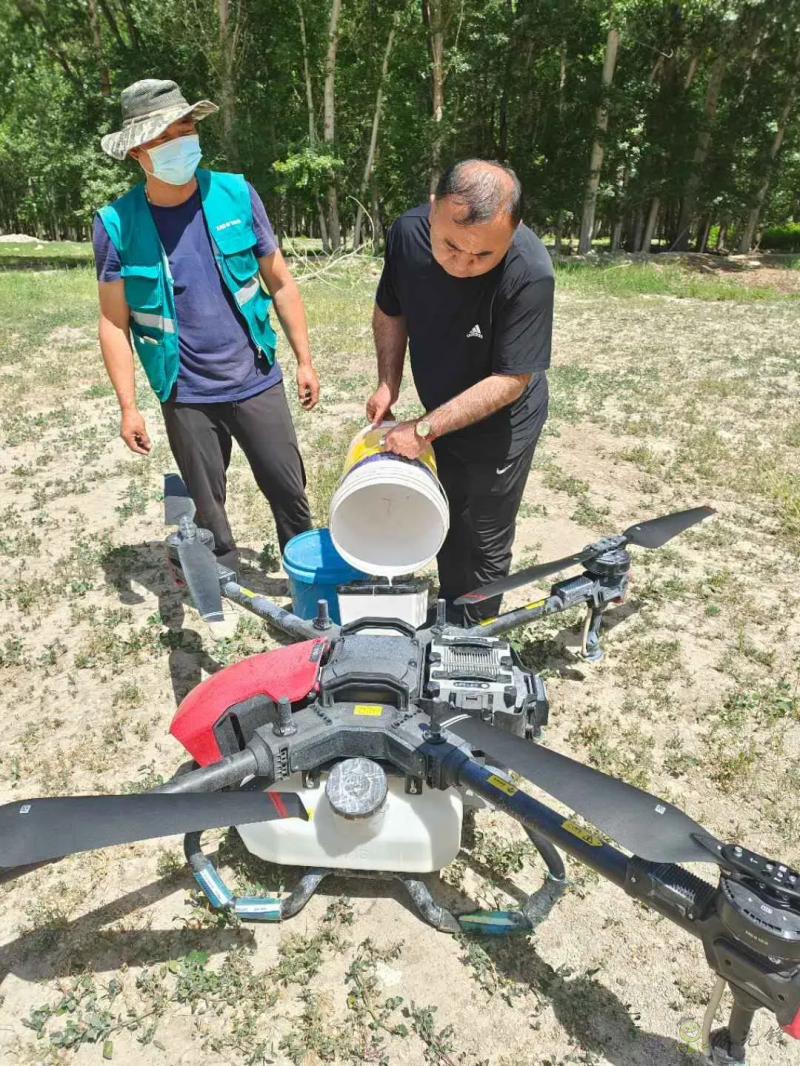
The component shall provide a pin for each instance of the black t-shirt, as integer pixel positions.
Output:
(461, 330)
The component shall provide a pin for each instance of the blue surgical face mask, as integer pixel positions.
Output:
(175, 161)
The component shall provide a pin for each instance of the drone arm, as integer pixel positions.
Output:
(288, 623)
(520, 616)
(231, 770)
(562, 831)
(688, 901)
(585, 588)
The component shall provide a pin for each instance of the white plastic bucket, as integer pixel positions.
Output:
(389, 515)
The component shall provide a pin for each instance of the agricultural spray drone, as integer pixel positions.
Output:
(355, 750)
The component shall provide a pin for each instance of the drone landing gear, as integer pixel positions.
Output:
(591, 649)
(487, 922)
(727, 1046)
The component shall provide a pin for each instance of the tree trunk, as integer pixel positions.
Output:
(638, 229)
(596, 162)
(113, 24)
(312, 126)
(650, 225)
(94, 24)
(373, 141)
(329, 116)
(433, 17)
(227, 46)
(690, 73)
(376, 221)
(702, 234)
(723, 233)
(323, 228)
(616, 234)
(751, 224)
(133, 33)
(559, 232)
(689, 205)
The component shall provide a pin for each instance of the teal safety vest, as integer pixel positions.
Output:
(148, 283)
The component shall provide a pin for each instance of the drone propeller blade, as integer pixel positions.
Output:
(651, 534)
(178, 503)
(199, 567)
(658, 531)
(523, 577)
(35, 831)
(645, 825)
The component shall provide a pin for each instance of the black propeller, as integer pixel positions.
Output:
(198, 563)
(644, 824)
(35, 831)
(199, 566)
(651, 534)
(178, 503)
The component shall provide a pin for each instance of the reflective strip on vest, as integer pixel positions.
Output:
(247, 291)
(167, 325)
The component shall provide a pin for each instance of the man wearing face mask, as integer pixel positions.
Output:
(180, 263)
(469, 289)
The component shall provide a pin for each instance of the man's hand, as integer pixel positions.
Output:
(307, 386)
(403, 440)
(133, 432)
(379, 405)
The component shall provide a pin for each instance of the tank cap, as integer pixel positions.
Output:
(356, 788)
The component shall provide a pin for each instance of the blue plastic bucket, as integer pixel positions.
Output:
(315, 568)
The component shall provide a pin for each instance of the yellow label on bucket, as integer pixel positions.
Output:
(373, 709)
(370, 442)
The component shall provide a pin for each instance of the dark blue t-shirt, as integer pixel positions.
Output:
(218, 361)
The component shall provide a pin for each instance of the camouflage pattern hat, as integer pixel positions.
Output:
(148, 107)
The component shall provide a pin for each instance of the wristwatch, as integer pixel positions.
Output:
(423, 429)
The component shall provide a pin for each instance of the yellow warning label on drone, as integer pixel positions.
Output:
(368, 708)
(246, 592)
(504, 786)
(586, 835)
(534, 605)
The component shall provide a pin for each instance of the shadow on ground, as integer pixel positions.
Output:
(145, 564)
(596, 1020)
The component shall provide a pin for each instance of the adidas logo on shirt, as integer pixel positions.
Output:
(475, 332)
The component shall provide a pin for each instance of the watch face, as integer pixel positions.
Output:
(423, 429)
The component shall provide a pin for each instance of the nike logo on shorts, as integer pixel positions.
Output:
(503, 469)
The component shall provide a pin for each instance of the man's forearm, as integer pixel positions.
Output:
(289, 308)
(391, 339)
(118, 357)
(477, 402)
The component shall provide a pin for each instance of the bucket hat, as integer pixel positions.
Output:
(148, 107)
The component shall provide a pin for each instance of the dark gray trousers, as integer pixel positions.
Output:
(484, 499)
(200, 436)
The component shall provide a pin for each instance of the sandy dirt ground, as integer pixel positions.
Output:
(657, 404)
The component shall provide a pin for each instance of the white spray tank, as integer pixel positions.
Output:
(361, 818)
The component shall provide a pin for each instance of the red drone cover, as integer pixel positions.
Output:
(291, 671)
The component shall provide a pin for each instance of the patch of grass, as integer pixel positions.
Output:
(558, 481)
(324, 465)
(769, 702)
(730, 764)
(615, 749)
(498, 856)
(237, 997)
(628, 279)
(148, 779)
